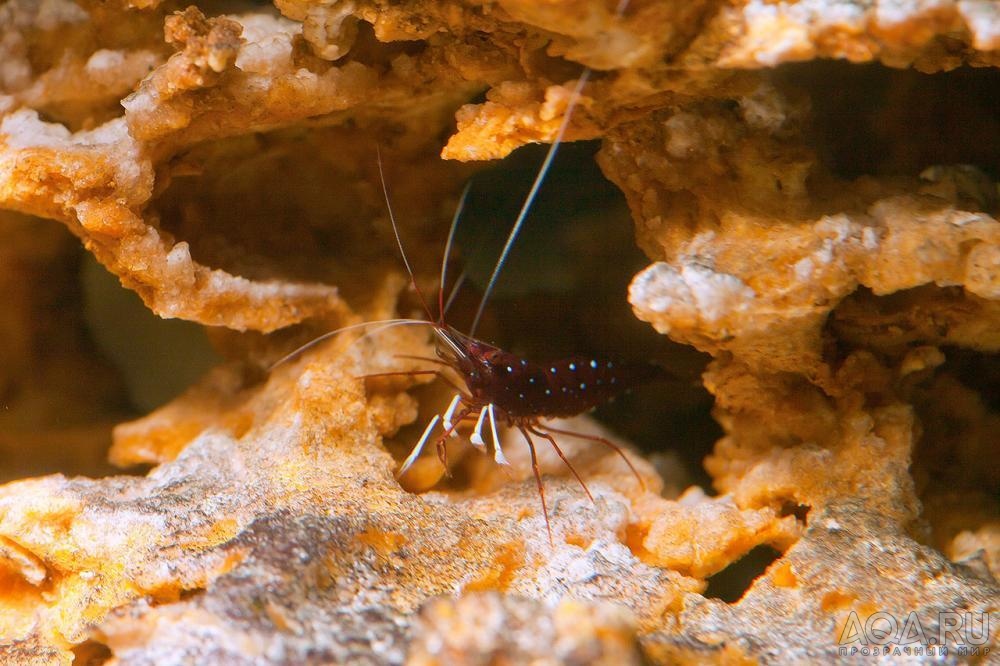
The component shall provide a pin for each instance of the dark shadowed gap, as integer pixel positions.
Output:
(876, 120)
(91, 653)
(731, 583)
(564, 292)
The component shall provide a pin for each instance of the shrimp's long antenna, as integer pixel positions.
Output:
(442, 306)
(386, 323)
(395, 231)
(539, 179)
(455, 289)
(530, 199)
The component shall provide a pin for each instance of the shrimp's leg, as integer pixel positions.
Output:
(415, 453)
(477, 433)
(449, 430)
(611, 445)
(449, 413)
(555, 446)
(538, 481)
(498, 455)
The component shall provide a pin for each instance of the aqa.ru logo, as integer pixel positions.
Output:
(884, 633)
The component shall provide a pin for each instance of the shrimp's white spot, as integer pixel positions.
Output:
(593, 364)
(446, 422)
(531, 380)
(548, 391)
(524, 362)
(572, 366)
(510, 369)
(415, 453)
(477, 434)
(583, 386)
(521, 396)
(553, 369)
(564, 389)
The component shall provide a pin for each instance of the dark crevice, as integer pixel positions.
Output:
(731, 583)
(369, 51)
(800, 511)
(563, 292)
(955, 396)
(957, 406)
(91, 653)
(879, 121)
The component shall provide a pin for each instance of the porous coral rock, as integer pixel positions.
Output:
(768, 307)
(238, 189)
(849, 561)
(487, 628)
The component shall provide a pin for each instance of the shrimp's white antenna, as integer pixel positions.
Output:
(530, 199)
(385, 323)
(537, 184)
(395, 231)
(455, 289)
(442, 305)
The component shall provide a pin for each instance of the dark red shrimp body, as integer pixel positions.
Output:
(526, 390)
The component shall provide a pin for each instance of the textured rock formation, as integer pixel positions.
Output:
(813, 186)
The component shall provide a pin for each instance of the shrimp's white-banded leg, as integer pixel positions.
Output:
(446, 421)
(498, 455)
(477, 434)
(415, 453)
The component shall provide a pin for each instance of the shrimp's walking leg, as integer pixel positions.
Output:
(477, 433)
(449, 430)
(611, 445)
(538, 480)
(498, 455)
(555, 446)
(415, 453)
(446, 422)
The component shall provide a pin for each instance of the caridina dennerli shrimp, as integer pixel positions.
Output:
(496, 391)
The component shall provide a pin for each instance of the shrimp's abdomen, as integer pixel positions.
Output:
(558, 389)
